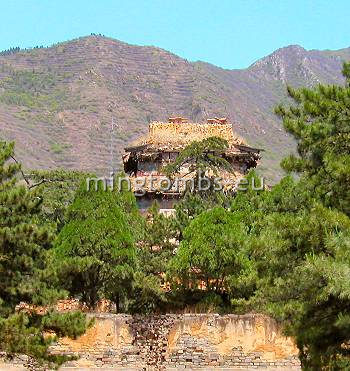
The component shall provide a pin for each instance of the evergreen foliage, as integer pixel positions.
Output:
(212, 252)
(24, 271)
(320, 123)
(96, 248)
(58, 189)
(204, 159)
(302, 246)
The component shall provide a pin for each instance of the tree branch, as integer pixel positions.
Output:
(30, 186)
(20, 169)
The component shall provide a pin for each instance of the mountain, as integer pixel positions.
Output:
(57, 103)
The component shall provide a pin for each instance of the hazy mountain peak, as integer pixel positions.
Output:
(292, 63)
(292, 47)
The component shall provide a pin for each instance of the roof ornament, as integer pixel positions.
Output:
(178, 120)
(217, 120)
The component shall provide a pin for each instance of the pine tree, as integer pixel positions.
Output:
(24, 272)
(57, 188)
(95, 250)
(203, 158)
(320, 122)
(303, 263)
(302, 244)
(213, 253)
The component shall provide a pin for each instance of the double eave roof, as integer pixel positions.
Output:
(234, 149)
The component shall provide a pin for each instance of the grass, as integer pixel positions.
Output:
(34, 90)
(58, 148)
(22, 115)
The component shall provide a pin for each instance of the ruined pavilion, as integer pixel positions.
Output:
(166, 140)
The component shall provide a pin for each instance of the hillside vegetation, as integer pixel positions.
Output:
(57, 103)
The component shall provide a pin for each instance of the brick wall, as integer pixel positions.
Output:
(182, 341)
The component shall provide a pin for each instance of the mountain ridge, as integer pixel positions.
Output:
(57, 103)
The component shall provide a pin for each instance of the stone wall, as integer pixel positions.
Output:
(205, 341)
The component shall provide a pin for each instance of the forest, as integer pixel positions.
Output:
(283, 251)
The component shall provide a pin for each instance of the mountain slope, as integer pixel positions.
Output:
(57, 103)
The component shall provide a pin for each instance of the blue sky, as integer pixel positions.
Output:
(228, 33)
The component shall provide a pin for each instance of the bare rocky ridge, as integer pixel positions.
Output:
(57, 103)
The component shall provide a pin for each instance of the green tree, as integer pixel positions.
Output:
(213, 253)
(153, 253)
(316, 309)
(302, 260)
(320, 122)
(158, 242)
(24, 273)
(96, 248)
(58, 188)
(301, 244)
(203, 158)
(147, 295)
(300, 250)
(194, 203)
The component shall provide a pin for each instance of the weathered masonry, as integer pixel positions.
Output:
(185, 341)
(173, 341)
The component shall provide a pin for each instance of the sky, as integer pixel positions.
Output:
(227, 33)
